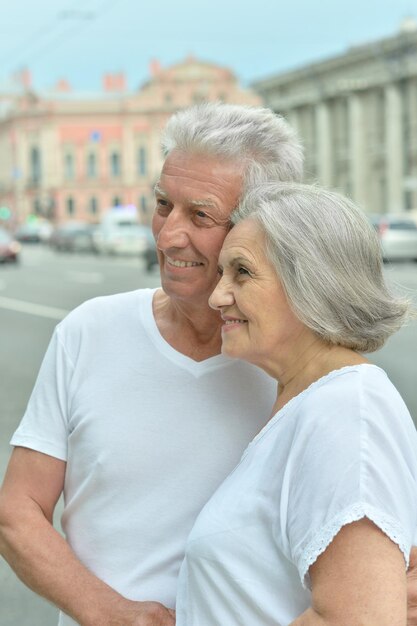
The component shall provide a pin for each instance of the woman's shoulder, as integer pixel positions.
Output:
(351, 384)
(352, 397)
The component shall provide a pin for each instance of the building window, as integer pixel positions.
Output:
(37, 207)
(408, 200)
(143, 203)
(92, 165)
(383, 194)
(35, 166)
(69, 169)
(117, 201)
(198, 97)
(70, 206)
(115, 164)
(142, 161)
(93, 206)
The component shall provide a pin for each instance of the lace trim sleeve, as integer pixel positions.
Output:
(321, 541)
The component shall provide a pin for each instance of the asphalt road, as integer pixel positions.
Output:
(35, 295)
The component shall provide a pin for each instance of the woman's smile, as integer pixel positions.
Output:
(231, 323)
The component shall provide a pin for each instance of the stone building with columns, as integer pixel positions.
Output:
(357, 116)
(70, 156)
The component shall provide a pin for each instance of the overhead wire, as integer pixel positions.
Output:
(35, 36)
(40, 40)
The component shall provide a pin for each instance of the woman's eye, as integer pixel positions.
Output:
(219, 270)
(243, 271)
(201, 214)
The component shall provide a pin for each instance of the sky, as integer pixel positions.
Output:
(80, 40)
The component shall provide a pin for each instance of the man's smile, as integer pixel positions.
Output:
(180, 263)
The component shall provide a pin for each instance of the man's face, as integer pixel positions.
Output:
(194, 198)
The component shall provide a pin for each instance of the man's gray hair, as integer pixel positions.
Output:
(328, 259)
(262, 142)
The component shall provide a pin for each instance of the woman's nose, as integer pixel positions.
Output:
(222, 295)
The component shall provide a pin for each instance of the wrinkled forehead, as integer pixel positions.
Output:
(203, 172)
(245, 235)
(248, 229)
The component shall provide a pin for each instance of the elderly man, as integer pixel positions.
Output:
(136, 416)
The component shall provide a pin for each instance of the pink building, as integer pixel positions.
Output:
(65, 156)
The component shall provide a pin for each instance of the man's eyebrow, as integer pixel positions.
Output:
(157, 189)
(204, 203)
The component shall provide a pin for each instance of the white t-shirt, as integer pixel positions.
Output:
(344, 448)
(148, 434)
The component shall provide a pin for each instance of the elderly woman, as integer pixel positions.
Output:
(314, 526)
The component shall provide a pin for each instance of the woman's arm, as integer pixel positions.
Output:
(412, 589)
(358, 580)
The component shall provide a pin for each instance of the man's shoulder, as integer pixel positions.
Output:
(103, 309)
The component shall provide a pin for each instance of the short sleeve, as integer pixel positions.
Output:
(44, 426)
(354, 456)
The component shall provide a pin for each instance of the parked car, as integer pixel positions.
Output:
(34, 232)
(150, 255)
(125, 238)
(73, 237)
(9, 247)
(398, 236)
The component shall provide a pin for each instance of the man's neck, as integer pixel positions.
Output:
(192, 329)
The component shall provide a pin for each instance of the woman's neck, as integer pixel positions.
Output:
(317, 360)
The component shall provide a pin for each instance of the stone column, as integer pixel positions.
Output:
(394, 149)
(292, 118)
(357, 152)
(324, 144)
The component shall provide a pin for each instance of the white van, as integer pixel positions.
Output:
(121, 233)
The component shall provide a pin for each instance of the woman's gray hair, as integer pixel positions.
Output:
(263, 143)
(328, 259)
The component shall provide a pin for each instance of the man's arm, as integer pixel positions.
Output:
(359, 579)
(44, 561)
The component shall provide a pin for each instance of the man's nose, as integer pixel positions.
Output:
(222, 295)
(174, 231)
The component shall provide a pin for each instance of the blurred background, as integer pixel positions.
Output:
(85, 88)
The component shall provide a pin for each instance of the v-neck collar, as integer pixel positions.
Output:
(196, 368)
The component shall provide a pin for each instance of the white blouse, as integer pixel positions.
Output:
(343, 449)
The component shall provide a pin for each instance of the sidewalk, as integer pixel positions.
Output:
(19, 606)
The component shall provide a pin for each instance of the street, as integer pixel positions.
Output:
(36, 294)
(33, 298)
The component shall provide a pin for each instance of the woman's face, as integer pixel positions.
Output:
(258, 321)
